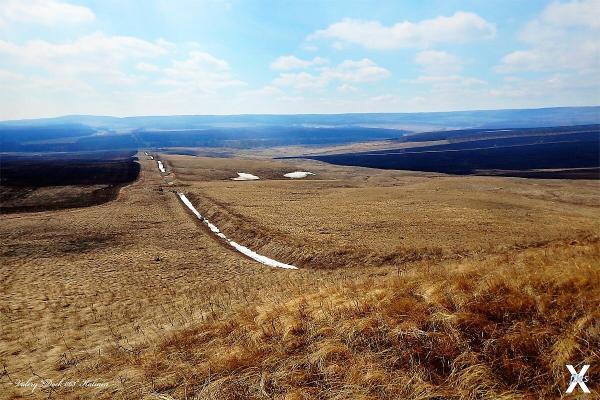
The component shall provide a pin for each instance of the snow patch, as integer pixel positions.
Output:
(212, 227)
(257, 257)
(242, 249)
(161, 167)
(243, 176)
(189, 205)
(298, 174)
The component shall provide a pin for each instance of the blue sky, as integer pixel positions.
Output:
(160, 57)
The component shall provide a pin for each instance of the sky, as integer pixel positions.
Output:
(165, 57)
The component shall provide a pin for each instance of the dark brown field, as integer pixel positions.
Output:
(52, 182)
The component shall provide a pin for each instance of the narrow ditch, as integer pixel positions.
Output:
(242, 249)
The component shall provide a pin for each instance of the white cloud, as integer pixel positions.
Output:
(96, 57)
(286, 63)
(573, 13)
(346, 88)
(563, 37)
(441, 71)
(353, 71)
(44, 12)
(438, 62)
(146, 67)
(96, 60)
(459, 27)
(97, 47)
(363, 70)
(199, 72)
(200, 58)
(555, 85)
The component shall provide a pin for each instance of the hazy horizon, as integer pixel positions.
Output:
(296, 114)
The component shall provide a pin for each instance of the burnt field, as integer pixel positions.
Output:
(56, 181)
(572, 154)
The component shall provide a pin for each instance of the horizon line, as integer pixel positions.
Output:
(292, 114)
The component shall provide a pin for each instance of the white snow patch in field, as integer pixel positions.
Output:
(243, 176)
(161, 167)
(242, 249)
(212, 227)
(261, 259)
(189, 205)
(298, 174)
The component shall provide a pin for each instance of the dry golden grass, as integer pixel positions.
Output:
(478, 311)
(346, 216)
(497, 327)
(76, 283)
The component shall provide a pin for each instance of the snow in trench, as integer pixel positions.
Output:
(243, 176)
(298, 174)
(161, 167)
(242, 249)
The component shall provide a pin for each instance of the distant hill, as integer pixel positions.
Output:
(87, 132)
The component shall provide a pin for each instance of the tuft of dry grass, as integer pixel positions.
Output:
(490, 328)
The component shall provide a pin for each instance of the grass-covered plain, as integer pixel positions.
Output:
(411, 285)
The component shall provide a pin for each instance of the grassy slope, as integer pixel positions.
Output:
(496, 327)
(82, 295)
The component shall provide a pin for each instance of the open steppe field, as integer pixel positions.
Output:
(410, 285)
(346, 216)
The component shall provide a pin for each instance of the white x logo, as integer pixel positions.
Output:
(578, 379)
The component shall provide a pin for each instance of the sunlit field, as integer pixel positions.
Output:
(299, 200)
(138, 294)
